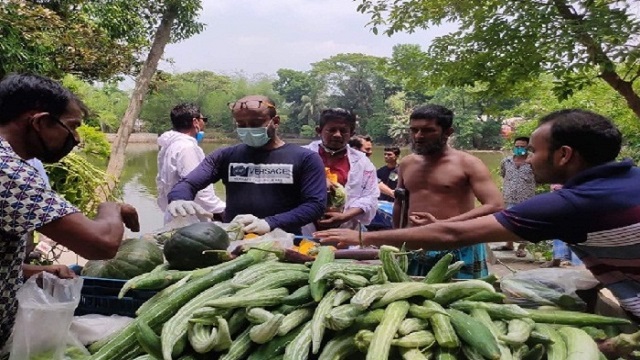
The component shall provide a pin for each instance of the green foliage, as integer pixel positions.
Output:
(79, 182)
(106, 103)
(92, 39)
(56, 38)
(597, 97)
(307, 131)
(206, 89)
(94, 142)
(510, 43)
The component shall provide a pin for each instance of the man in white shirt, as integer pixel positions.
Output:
(179, 154)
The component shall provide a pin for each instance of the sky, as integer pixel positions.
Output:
(260, 37)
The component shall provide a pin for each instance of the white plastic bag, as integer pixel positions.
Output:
(93, 327)
(45, 310)
(282, 238)
(549, 286)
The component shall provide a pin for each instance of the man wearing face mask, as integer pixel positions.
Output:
(353, 169)
(518, 184)
(180, 154)
(443, 184)
(269, 184)
(38, 119)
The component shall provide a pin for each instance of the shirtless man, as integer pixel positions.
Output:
(443, 184)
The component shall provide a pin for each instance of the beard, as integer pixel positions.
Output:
(429, 148)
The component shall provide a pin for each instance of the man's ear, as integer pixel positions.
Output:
(318, 130)
(449, 131)
(276, 120)
(566, 154)
(37, 120)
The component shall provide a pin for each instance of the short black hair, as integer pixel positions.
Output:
(593, 136)
(442, 115)
(182, 115)
(393, 149)
(20, 93)
(337, 114)
(521, 138)
(356, 143)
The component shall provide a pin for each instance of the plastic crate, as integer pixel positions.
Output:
(100, 296)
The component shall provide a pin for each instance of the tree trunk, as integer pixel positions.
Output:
(624, 88)
(160, 40)
(600, 59)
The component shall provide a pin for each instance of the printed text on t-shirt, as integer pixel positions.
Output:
(261, 173)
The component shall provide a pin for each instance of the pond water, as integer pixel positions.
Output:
(139, 184)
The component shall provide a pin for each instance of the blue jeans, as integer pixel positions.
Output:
(562, 251)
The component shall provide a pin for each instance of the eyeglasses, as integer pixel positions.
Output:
(250, 104)
(203, 118)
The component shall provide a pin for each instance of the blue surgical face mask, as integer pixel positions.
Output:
(199, 136)
(519, 151)
(254, 136)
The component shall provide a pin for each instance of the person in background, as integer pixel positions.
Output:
(518, 184)
(443, 185)
(39, 119)
(269, 184)
(353, 169)
(362, 143)
(388, 174)
(179, 154)
(562, 254)
(597, 212)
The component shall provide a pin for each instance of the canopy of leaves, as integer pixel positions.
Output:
(92, 39)
(505, 42)
(106, 102)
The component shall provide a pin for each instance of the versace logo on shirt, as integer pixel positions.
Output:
(261, 173)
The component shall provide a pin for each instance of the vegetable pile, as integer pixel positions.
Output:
(259, 307)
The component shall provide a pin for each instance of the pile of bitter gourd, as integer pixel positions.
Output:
(258, 307)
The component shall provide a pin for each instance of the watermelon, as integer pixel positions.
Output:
(135, 257)
(183, 250)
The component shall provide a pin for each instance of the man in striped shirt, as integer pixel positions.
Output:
(597, 212)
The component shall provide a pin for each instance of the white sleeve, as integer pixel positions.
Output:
(188, 159)
(368, 199)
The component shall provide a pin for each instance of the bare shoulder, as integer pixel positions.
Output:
(471, 162)
(467, 158)
(409, 160)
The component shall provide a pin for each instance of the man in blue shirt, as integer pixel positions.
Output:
(269, 184)
(597, 212)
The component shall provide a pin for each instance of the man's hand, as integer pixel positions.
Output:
(184, 208)
(421, 218)
(60, 271)
(332, 219)
(257, 226)
(338, 237)
(130, 217)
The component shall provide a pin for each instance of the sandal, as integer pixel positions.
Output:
(550, 264)
(521, 253)
(502, 248)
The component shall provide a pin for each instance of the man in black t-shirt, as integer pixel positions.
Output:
(388, 174)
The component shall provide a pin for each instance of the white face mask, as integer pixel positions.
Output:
(254, 136)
